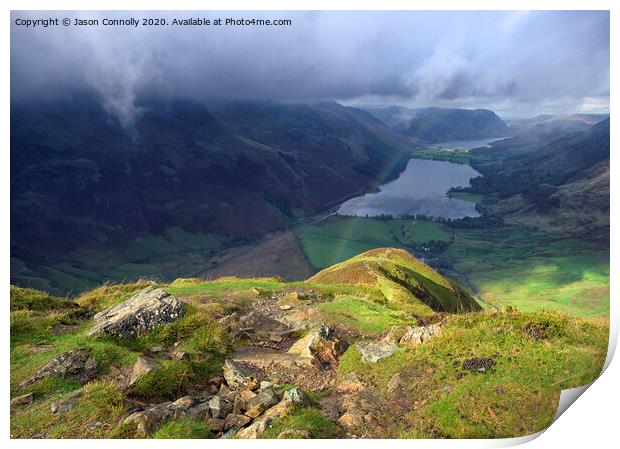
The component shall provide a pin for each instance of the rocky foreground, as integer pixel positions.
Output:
(380, 346)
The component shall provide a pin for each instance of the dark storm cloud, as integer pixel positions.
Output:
(515, 62)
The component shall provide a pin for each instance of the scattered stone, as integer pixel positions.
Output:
(22, 400)
(94, 425)
(350, 419)
(373, 352)
(296, 396)
(255, 291)
(265, 384)
(350, 383)
(229, 320)
(420, 334)
(260, 424)
(235, 422)
(395, 383)
(141, 367)
(76, 364)
(275, 337)
(238, 377)
(265, 399)
(62, 406)
(396, 333)
(220, 407)
(294, 434)
(224, 390)
(145, 421)
(286, 307)
(180, 355)
(139, 314)
(156, 349)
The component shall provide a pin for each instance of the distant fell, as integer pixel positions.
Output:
(439, 124)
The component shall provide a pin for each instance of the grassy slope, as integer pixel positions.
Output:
(532, 270)
(340, 238)
(518, 396)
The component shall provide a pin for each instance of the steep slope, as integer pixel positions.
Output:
(81, 181)
(403, 279)
(437, 124)
(563, 186)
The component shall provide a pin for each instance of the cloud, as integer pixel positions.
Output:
(520, 62)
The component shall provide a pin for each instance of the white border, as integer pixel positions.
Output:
(591, 421)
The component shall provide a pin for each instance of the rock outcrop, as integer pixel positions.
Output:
(420, 334)
(77, 365)
(139, 314)
(375, 351)
(238, 377)
(146, 421)
(142, 366)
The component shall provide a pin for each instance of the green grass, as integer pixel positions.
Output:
(224, 285)
(183, 428)
(532, 270)
(361, 315)
(101, 403)
(306, 419)
(458, 156)
(521, 390)
(339, 238)
(466, 196)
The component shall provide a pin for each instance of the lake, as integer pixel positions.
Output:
(419, 190)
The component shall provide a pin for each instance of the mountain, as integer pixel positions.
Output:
(563, 185)
(437, 124)
(544, 129)
(344, 354)
(80, 180)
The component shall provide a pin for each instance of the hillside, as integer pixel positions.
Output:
(184, 178)
(345, 354)
(437, 124)
(562, 186)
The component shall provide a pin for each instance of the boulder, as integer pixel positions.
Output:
(220, 407)
(141, 367)
(76, 365)
(22, 400)
(147, 420)
(139, 314)
(235, 422)
(350, 383)
(296, 396)
(238, 377)
(316, 346)
(67, 404)
(420, 334)
(260, 424)
(373, 352)
(265, 399)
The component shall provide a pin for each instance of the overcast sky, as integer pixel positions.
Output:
(516, 63)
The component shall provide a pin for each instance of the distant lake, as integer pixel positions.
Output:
(419, 190)
(465, 144)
